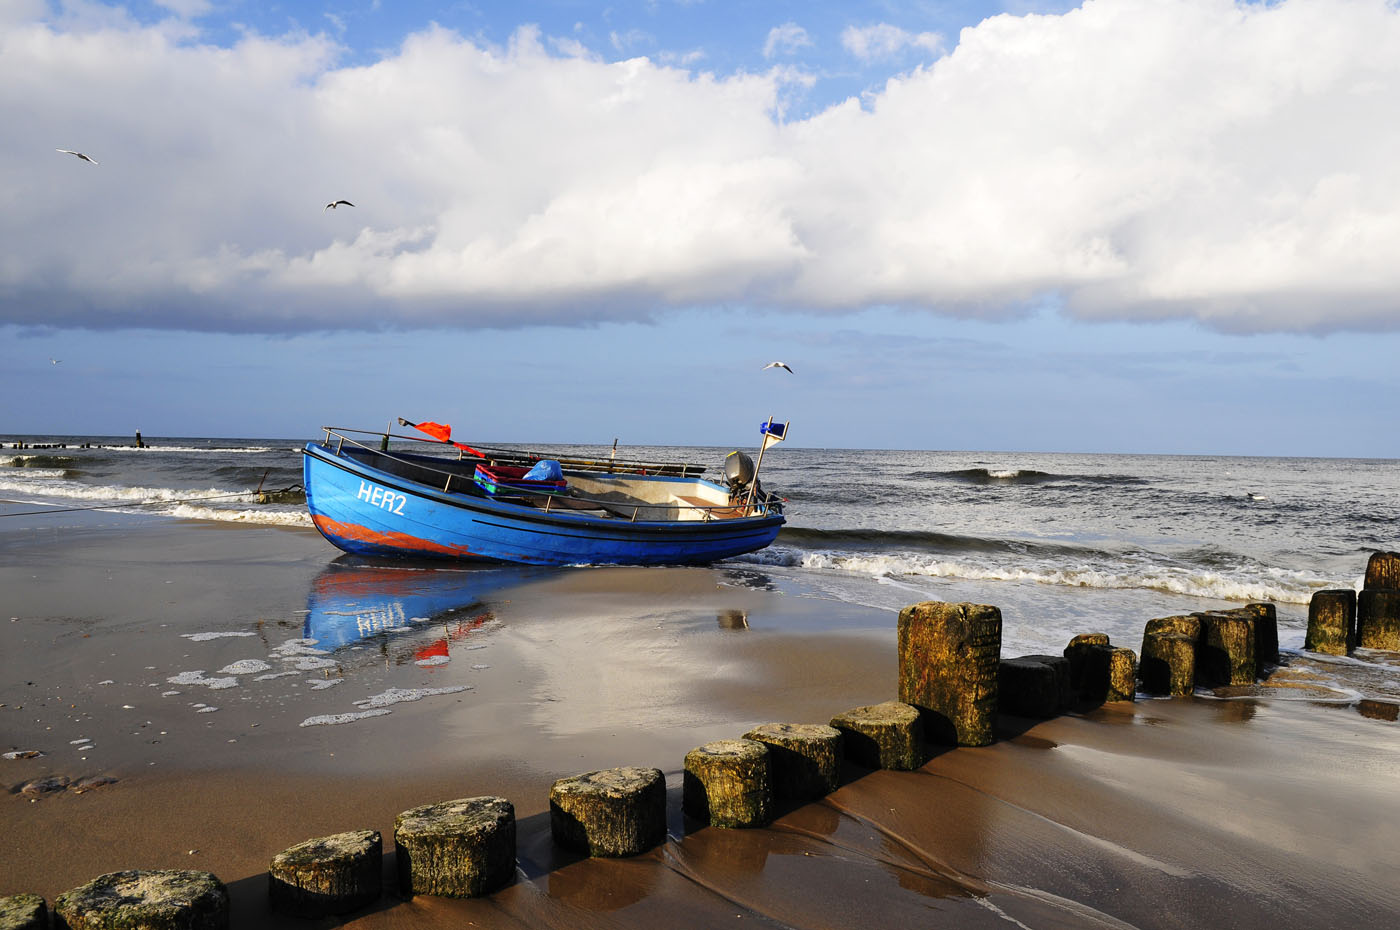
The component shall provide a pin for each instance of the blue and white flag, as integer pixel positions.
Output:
(772, 432)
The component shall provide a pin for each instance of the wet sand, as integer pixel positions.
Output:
(1263, 810)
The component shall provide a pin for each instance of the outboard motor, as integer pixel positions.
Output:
(739, 475)
(738, 472)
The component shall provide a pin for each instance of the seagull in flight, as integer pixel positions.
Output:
(335, 203)
(782, 365)
(76, 155)
(55, 361)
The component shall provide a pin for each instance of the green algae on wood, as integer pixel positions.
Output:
(1110, 674)
(611, 813)
(456, 849)
(1168, 663)
(805, 758)
(1226, 649)
(141, 899)
(328, 875)
(728, 784)
(948, 659)
(1077, 652)
(23, 912)
(882, 736)
(1383, 572)
(1332, 622)
(1378, 619)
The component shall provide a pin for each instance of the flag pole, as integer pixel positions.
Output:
(762, 447)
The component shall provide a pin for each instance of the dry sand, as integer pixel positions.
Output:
(1265, 810)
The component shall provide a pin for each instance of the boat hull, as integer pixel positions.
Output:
(368, 511)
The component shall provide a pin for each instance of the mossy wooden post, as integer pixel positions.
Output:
(1188, 625)
(1168, 663)
(1110, 674)
(140, 899)
(805, 758)
(609, 813)
(1383, 572)
(1226, 655)
(1332, 622)
(728, 783)
(1078, 652)
(329, 875)
(23, 912)
(948, 659)
(882, 736)
(1265, 637)
(1028, 687)
(1378, 619)
(456, 849)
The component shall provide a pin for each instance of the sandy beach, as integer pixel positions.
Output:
(1269, 808)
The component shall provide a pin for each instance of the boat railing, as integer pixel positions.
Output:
(753, 507)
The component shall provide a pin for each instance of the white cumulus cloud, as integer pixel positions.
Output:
(1234, 163)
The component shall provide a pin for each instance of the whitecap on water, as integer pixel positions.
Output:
(271, 675)
(433, 660)
(321, 684)
(205, 637)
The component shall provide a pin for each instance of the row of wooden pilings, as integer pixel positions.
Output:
(952, 684)
(1340, 619)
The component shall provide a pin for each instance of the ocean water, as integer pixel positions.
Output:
(1062, 543)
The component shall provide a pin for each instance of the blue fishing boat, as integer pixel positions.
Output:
(382, 499)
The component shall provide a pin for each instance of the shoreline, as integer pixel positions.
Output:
(1154, 814)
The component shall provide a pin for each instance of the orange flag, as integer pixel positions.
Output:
(444, 432)
(436, 430)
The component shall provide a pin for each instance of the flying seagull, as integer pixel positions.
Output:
(76, 154)
(55, 361)
(782, 365)
(335, 203)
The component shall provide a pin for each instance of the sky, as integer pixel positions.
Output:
(1118, 226)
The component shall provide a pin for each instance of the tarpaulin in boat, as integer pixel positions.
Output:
(545, 470)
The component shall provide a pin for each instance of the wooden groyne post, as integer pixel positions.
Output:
(326, 876)
(141, 898)
(610, 813)
(1378, 604)
(882, 736)
(728, 783)
(1332, 622)
(948, 664)
(456, 849)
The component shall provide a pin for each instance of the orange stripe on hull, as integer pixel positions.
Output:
(401, 542)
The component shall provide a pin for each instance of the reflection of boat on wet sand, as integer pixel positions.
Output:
(505, 506)
(349, 602)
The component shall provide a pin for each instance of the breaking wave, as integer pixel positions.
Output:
(1095, 570)
(215, 504)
